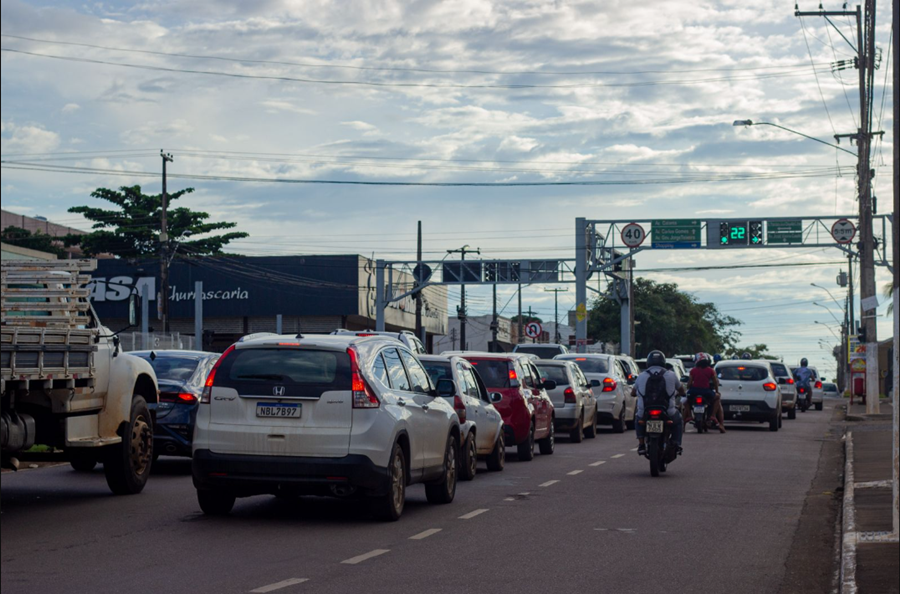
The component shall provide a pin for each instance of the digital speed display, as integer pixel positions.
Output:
(736, 234)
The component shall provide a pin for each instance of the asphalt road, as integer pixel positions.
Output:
(587, 519)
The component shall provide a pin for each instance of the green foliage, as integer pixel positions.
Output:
(526, 319)
(667, 319)
(757, 351)
(132, 230)
(33, 241)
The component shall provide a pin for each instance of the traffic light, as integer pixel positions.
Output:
(756, 233)
(861, 335)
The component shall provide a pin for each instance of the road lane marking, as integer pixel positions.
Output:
(617, 456)
(365, 557)
(548, 483)
(596, 464)
(634, 449)
(575, 472)
(473, 514)
(510, 499)
(524, 494)
(426, 534)
(279, 585)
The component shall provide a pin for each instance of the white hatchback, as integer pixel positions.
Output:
(335, 415)
(609, 381)
(750, 392)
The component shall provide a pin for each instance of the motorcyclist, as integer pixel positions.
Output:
(656, 365)
(802, 377)
(703, 382)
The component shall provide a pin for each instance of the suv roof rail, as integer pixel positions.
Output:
(256, 335)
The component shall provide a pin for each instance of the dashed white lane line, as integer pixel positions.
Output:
(426, 534)
(596, 464)
(634, 449)
(618, 456)
(526, 494)
(473, 514)
(279, 585)
(575, 472)
(548, 483)
(510, 499)
(365, 557)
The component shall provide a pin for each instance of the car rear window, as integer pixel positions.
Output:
(554, 372)
(301, 372)
(780, 370)
(172, 369)
(494, 373)
(742, 373)
(591, 365)
(438, 370)
(543, 352)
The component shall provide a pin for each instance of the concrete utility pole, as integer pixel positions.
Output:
(521, 324)
(581, 278)
(461, 313)
(896, 260)
(556, 293)
(418, 296)
(164, 247)
(495, 324)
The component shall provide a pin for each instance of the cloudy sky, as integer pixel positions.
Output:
(639, 96)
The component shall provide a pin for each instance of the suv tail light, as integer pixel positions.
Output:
(569, 395)
(770, 386)
(362, 393)
(818, 385)
(211, 378)
(609, 384)
(460, 409)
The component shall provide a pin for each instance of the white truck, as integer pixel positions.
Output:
(64, 380)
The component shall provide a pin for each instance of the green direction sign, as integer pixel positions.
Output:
(675, 234)
(784, 232)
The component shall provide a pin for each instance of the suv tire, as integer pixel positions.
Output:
(497, 460)
(444, 490)
(389, 507)
(127, 465)
(548, 444)
(215, 503)
(526, 448)
(469, 463)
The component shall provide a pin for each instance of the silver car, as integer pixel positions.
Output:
(788, 389)
(610, 384)
(573, 400)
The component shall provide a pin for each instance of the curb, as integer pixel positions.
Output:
(848, 523)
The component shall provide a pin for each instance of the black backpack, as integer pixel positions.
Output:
(656, 394)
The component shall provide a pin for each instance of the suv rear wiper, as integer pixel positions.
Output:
(262, 376)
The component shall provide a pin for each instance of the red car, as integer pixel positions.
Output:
(524, 405)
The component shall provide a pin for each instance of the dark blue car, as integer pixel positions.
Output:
(181, 375)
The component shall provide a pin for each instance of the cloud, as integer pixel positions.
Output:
(70, 108)
(27, 138)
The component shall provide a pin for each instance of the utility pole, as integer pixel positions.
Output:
(418, 295)
(896, 260)
(556, 293)
(461, 311)
(495, 324)
(521, 323)
(865, 62)
(530, 318)
(164, 247)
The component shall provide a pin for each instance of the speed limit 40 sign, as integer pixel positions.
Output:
(633, 235)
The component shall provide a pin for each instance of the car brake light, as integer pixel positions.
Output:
(609, 384)
(180, 397)
(364, 334)
(288, 344)
(211, 378)
(790, 381)
(362, 393)
(460, 409)
(818, 385)
(770, 386)
(569, 395)
(512, 374)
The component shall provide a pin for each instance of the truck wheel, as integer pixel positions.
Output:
(127, 465)
(215, 503)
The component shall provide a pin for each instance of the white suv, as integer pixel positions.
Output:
(406, 337)
(340, 415)
(750, 392)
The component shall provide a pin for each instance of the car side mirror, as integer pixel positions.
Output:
(823, 379)
(630, 381)
(446, 388)
(549, 384)
(116, 343)
(496, 397)
(595, 383)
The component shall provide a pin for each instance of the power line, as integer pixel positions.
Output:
(818, 84)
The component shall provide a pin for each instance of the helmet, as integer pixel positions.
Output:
(656, 359)
(804, 362)
(734, 357)
(700, 356)
(717, 357)
(746, 355)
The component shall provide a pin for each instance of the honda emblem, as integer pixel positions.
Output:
(278, 391)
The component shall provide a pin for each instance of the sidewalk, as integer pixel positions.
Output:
(877, 564)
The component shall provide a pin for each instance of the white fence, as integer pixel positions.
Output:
(138, 341)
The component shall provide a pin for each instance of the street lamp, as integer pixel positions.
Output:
(829, 311)
(838, 303)
(752, 123)
(829, 328)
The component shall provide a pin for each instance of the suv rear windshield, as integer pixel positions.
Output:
(557, 373)
(542, 351)
(780, 370)
(301, 372)
(494, 372)
(591, 365)
(177, 369)
(742, 373)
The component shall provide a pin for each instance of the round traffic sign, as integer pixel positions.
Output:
(533, 329)
(633, 235)
(843, 231)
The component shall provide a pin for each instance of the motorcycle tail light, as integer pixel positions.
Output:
(699, 400)
(655, 414)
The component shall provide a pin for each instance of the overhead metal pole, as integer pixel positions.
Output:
(198, 315)
(581, 266)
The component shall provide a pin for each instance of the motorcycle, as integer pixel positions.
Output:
(661, 447)
(701, 408)
(804, 397)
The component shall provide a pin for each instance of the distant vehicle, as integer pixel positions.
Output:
(830, 389)
(788, 389)
(750, 392)
(406, 337)
(679, 368)
(632, 371)
(65, 380)
(181, 376)
(327, 415)
(615, 406)
(574, 405)
(480, 423)
(541, 350)
(527, 411)
(817, 384)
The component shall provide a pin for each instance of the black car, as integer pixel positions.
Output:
(181, 376)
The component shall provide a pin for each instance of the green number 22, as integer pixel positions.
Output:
(738, 232)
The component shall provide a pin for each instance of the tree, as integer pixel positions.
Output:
(667, 319)
(132, 230)
(526, 319)
(888, 292)
(757, 351)
(33, 241)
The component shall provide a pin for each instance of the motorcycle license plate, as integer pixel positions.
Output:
(655, 426)
(739, 408)
(699, 410)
